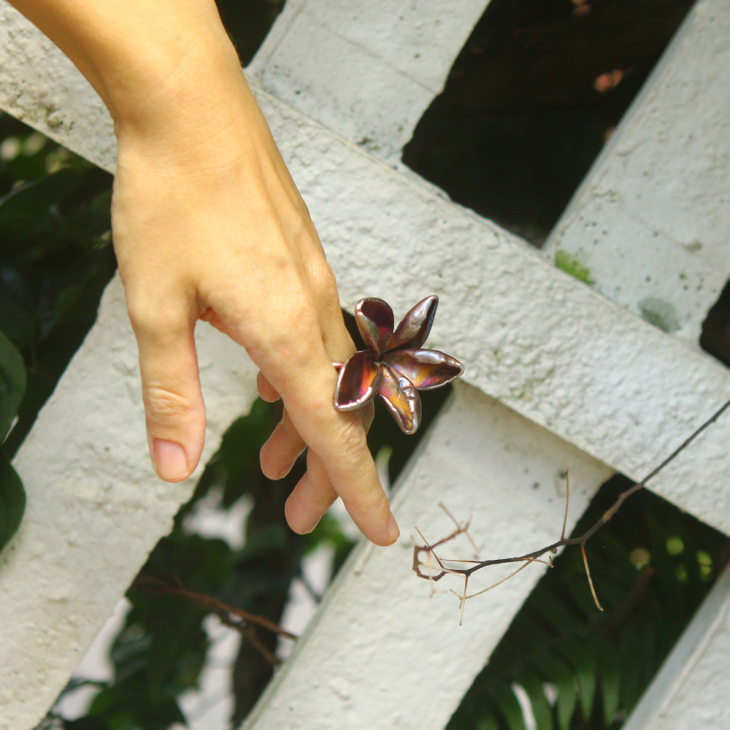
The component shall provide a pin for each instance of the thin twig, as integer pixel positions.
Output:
(552, 548)
(464, 529)
(590, 580)
(499, 582)
(153, 584)
(567, 502)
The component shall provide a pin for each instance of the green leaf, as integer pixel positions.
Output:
(32, 207)
(18, 300)
(611, 691)
(586, 679)
(171, 640)
(127, 705)
(12, 500)
(567, 700)
(509, 706)
(488, 722)
(541, 709)
(609, 671)
(12, 384)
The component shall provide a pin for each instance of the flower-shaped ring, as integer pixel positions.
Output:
(395, 366)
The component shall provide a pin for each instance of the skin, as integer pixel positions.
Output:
(209, 225)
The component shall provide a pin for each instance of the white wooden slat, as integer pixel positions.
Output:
(95, 508)
(651, 220)
(367, 70)
(380, 653)
(691, 690)
(534, 338)
(41, 87)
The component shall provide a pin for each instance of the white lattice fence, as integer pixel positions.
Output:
(557, 374)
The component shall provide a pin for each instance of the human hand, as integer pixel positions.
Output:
(219, 232)
(208, 225)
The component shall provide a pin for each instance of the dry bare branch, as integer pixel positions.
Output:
(462, 528)
(153, 584)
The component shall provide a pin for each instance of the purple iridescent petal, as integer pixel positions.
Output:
(415, 326)
(426, 369)
(374, 319)
(401, 397)
(357, 382)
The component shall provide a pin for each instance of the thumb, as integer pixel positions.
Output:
(174, 409)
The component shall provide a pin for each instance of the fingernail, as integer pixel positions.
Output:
(170, 460)
(393, 531)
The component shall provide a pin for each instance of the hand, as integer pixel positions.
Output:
(208, 224)
(219, 232)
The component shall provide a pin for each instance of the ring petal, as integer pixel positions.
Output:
(415, 327)
(426, 369)
(357, 382)
(375, 321)
(402, 399)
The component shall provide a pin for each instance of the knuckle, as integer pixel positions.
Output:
(163, 404)
(152, 321)
(324, 281)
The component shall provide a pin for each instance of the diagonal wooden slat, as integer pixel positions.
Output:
(95, 508)
(379, 653)
(377, 65)
(651, 220)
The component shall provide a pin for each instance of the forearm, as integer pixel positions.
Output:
(158, 65)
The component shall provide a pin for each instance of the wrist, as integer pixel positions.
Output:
(172, 84)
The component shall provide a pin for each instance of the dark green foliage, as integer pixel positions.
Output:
(248, 23)
(12, 500)
(652, 566)
(12, 383)
(55, 259)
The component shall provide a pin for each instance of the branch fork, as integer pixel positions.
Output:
(428, 565)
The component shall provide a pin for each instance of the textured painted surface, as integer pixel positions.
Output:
(367, 70)
(382, 654)
(692, 689)
(95, 507)
(531, 337)
(652, 220)
(40, 86)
